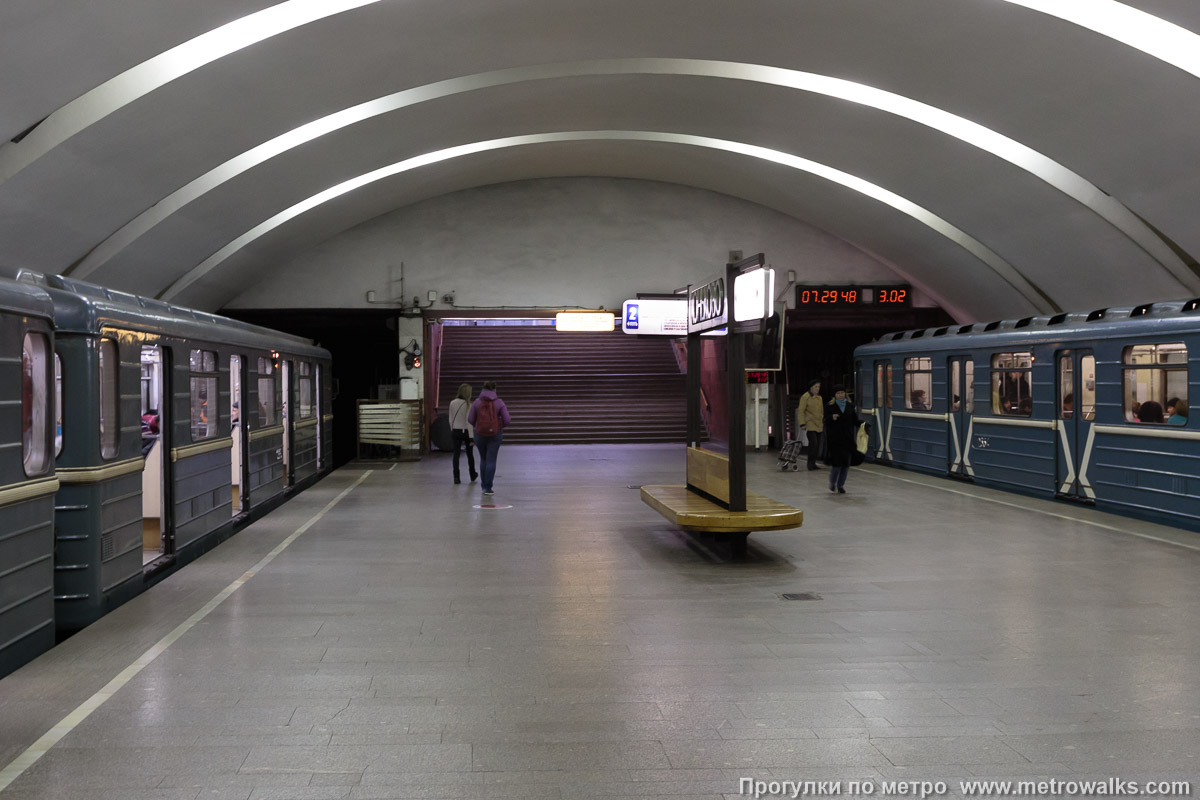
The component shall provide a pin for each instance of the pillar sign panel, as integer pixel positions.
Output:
(707, 306)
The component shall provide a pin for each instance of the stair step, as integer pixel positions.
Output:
(570, 388)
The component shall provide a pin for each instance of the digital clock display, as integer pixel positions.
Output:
(861, 297)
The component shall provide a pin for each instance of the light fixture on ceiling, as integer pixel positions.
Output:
(1138, 29)
(156, 72)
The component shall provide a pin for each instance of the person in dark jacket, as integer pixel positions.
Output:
(489, 445)
(841, 427)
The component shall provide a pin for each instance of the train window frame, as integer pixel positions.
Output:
(108, 370)
(1087, 387)
(1157, 375)
(203, 386)
(304, 389)
(1002, 367)
(962, 378)
(268, 409)
(1066, 384)
(918, 379)
(58, 405)
(35, 411)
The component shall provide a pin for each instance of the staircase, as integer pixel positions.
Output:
(570, 388)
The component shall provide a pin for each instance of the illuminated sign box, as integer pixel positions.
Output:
(585, 321)
(753, 294)
(655, 317)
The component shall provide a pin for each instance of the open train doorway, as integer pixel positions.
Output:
(237, 459)
(153, 390)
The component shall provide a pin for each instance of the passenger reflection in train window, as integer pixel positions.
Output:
(1177, 411)
(1068, 405)
(918, 400)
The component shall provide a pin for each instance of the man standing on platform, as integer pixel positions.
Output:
(812, 415)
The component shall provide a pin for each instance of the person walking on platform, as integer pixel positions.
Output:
(841, 427)
(460, 430)
(489, 415)
(812, 416)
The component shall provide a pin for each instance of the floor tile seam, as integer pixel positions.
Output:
(39, 748)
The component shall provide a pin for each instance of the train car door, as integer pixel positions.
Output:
(880, 437)
(1076, 412)
(287, 421)
(237, 425)
(319, 392)
(961, 403)
(155, 405)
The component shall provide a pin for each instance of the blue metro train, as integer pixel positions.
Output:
(1090, 407)
(134, 436)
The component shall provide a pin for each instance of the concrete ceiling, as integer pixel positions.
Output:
(1005, 159)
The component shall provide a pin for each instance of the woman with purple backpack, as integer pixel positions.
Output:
(488, 415)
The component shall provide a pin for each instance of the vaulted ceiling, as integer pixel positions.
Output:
(1008, 156)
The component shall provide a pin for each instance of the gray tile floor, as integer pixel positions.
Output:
(409, 645)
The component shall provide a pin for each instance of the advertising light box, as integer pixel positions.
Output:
(753, 295)
(655, 317)
(588, 321)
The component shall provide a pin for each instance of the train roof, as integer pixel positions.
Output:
(22, 298)
(1167, 318)
(83, 307)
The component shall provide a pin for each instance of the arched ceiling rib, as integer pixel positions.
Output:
(1043, 85)
(994, 262)
(1063, 179)
(1138, 29)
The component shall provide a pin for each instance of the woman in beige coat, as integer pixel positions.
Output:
(812, 416)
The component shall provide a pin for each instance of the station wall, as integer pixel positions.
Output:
(589, 242)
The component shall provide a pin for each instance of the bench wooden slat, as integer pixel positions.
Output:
(692, 512)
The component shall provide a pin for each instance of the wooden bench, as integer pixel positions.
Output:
(693, 512)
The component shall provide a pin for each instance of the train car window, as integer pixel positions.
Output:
(267, 410)
(918, 384)
(58, 406)
(1087, 387)
(304, 387)
(1066, 386)
(35, 405)
(1156, 381)
(888, 387)
(962, 389)
(204, 412)
(969, 368)
(1011, 382)
(110, 431)
(879, 386)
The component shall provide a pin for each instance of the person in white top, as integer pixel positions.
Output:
(460, 430)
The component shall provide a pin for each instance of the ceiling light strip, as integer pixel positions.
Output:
(997, 264)
(139, 81)
(1153, 35)
(1048, 170)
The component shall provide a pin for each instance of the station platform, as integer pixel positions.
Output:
(380, 636)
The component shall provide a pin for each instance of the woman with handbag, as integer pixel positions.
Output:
(841, 432)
